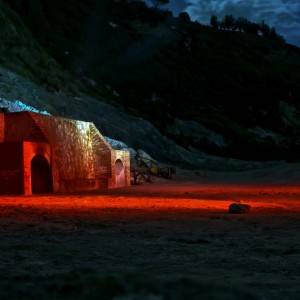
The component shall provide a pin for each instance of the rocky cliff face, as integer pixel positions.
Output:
(182, 91)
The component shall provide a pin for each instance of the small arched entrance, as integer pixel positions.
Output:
(41, 177)
(120, 173)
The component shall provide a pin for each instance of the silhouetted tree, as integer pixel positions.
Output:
(240, 23)
(184, 17)
(275, 36)
(228, 22)
(250, 27)
(214, 22)
(265, 29)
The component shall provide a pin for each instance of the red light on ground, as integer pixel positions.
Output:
(171, 197)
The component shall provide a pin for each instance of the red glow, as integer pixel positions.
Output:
(171, 197)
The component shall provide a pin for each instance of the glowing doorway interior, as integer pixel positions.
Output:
(120, 174)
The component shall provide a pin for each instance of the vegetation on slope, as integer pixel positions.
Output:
(21, 52)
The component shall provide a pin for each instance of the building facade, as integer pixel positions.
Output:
(45, 154)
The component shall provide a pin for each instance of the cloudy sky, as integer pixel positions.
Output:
(283, 14)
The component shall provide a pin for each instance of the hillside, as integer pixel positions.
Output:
(217, 92)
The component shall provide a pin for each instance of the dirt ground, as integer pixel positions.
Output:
(160, 241)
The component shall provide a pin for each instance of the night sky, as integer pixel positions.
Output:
(283, 14)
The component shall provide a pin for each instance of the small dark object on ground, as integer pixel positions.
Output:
(238, 208)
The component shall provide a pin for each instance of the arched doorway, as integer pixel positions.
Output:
(41, 177)
(120, 173)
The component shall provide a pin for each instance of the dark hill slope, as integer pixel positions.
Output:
(20, 52)
(227, 93)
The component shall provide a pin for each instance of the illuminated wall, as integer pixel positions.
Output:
(79, 156)
(11, 171)
(2, 127)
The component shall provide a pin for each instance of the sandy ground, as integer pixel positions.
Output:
(158, 232)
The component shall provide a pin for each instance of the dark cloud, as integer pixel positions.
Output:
(178, 6)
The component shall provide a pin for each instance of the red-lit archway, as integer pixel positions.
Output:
(41, 176)
(120, 174)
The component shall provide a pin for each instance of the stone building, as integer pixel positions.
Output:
(45, 154)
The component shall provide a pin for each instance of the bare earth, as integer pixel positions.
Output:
(162, 241)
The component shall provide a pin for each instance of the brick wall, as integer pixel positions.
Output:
(11, 168)
(79, 156)
(2, 126)
(20, 127)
